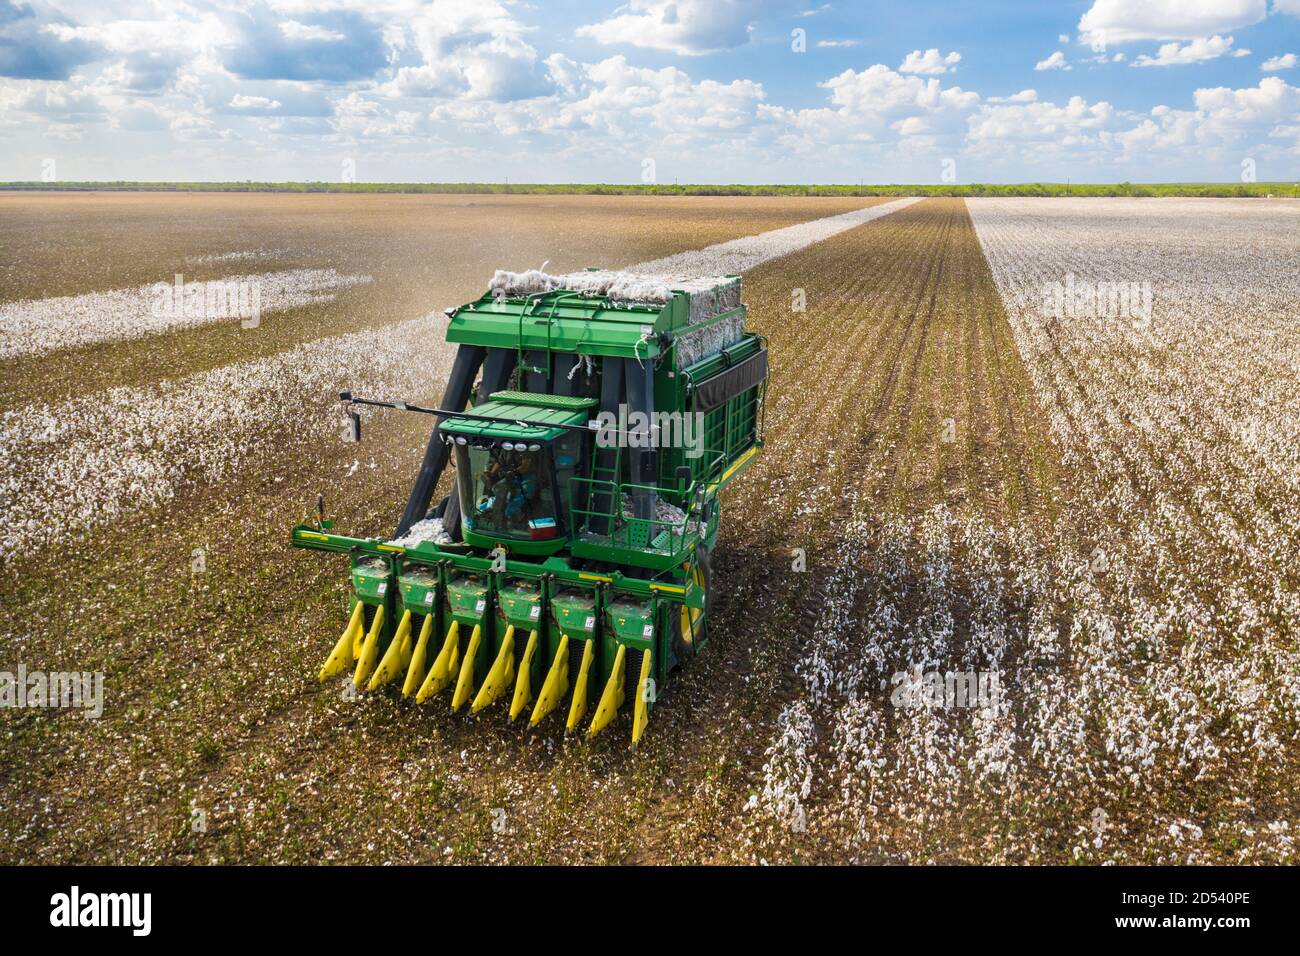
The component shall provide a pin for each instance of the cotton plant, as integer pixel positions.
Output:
(35, 327)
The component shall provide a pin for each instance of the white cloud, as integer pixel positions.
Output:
(1054, 62)
(875, 106)
(929, 63)
(1076, 124)
(686, 27)
(241, 102)
(1024, 96)
(1123, 21)
(838, 43)
(1286, 61)
(1063, 38)
(468, 49)
(1197, 51)
(1273, 101)
(307, 31)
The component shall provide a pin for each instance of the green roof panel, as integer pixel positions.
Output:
(513, 419)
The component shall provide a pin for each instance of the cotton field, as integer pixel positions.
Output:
(1145, 640)
(1014, 579)
(35, 327)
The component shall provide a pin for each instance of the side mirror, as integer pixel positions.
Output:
(354, 425)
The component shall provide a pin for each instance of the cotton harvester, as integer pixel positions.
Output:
(568, 568)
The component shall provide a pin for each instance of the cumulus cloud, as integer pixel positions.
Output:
(257, 104)
(929, 63)
(1286, 61)
(876, 106)
(1197, 51)
(31, 48)
(1274, 100)
(1024, 96)
(149, 55)
(1078, 123)
(336, 47)
(475, 50)
(1124, 21)
(1056, 61)
(687, 27)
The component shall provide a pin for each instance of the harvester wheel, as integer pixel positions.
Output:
(689, 623)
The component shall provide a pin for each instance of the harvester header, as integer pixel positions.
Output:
(592, 421)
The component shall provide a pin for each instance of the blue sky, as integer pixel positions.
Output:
(721, 91)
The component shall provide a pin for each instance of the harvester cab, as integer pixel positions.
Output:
(592, 421)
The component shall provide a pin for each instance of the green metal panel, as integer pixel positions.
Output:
(515, 421)
(419, 589)
(560, 322)
(564, 402)
(468, 598)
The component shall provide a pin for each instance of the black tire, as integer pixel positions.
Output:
(690, 626)
(451, 516)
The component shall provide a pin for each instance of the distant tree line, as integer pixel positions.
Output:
(735, 189)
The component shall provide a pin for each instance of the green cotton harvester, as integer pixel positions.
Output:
(593, 421)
